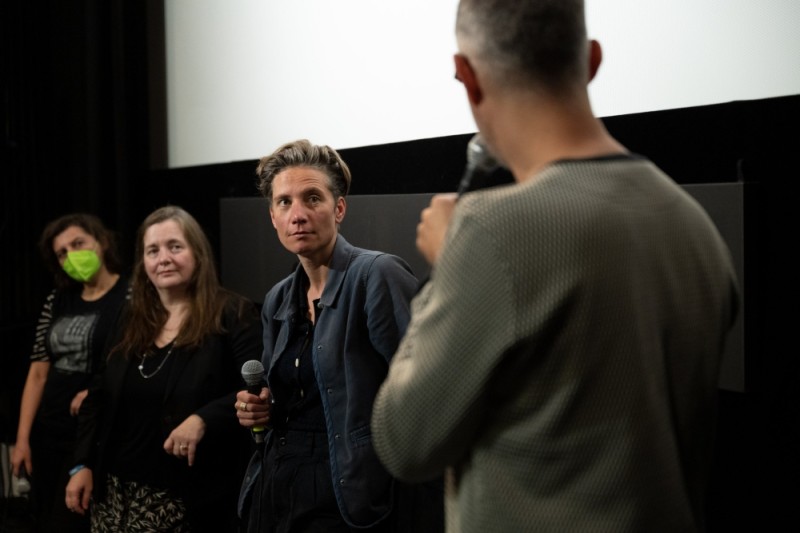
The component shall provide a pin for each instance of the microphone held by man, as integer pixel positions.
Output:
(481, 164)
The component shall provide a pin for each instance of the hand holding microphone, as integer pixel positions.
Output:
(253, 404)
(435, 218)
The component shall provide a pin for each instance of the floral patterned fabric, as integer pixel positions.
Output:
(132, 507)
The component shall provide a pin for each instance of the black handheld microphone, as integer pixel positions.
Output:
(253, 376)
(480, 165)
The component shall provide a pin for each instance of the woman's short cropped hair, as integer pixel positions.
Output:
(302, 153)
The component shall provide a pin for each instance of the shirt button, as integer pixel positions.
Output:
(282, 441)
(341, 481)
(330, 391)
(337, 436)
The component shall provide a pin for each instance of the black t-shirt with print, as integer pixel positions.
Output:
(73, 335)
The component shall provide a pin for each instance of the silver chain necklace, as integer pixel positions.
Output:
(154, 372)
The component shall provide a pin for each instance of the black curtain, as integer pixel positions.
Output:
(79, 80)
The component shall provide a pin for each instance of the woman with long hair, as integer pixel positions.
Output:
(167, 456)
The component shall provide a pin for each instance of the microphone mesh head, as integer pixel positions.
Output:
(479, 156)
(252, 372)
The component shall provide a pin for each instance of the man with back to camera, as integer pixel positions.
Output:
(561, 365)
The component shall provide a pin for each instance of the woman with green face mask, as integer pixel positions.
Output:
(69, 349)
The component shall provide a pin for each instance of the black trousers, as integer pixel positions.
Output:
(295, 494)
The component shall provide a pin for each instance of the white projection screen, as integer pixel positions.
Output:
(244, 76)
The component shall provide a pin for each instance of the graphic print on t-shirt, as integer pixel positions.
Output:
(71, 341)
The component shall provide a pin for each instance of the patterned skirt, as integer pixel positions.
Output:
(132, 507)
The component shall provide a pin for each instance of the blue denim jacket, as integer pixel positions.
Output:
(366, 310)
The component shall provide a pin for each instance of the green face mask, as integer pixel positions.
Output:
(82, 265)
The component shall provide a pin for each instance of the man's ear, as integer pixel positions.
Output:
(466, 75)
(595, 58)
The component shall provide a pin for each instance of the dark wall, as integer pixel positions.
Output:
(84, 129)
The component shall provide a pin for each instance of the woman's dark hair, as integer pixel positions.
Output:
(91, 225)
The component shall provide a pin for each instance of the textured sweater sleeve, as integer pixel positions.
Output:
(432, 406)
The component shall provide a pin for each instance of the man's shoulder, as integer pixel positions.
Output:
(568, 183)
(517, 201)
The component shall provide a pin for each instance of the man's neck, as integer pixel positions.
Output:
(537, 131)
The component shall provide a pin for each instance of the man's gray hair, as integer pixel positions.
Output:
(541, 42)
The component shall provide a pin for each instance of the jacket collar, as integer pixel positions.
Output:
(343, 253)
